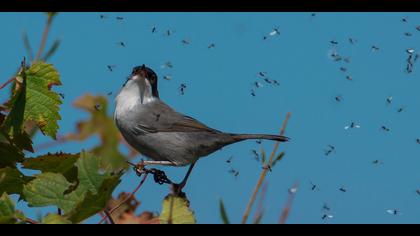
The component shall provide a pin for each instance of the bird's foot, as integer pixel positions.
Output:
(159, 176)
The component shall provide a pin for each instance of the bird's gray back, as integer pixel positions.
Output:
(162, 134)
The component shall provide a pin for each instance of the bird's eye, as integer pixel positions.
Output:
(152, 79)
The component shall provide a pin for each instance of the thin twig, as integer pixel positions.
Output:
(126, 199)
(102, 215)
(29, 221)
(108, 215)
(264, 172)
(260, 208)
(44, 37)
(288, 207)
(7, 82)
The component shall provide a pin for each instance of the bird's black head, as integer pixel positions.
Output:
(149, 75)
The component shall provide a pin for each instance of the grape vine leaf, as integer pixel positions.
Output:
(12, 181)
(9, 155)
(101, 124)
(55, 219)
(94, 203)
(63, 163)
(33, 100)
(86, 197)
(42, 104)
(8, 213)
(176, 210)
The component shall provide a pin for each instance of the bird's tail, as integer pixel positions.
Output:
(241, 137)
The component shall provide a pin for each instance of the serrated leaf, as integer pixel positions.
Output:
(55, 219)
(89, 193)
(33, 100)
(88, 167)
(42, 104)
(55, 163)
(48, 189)
(7, 210)
(223, 213)
(9, 155)
(12, 181)
(94, 203)
(175, 210)
(101, 124)
(13, 124)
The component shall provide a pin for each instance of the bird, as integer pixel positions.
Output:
(176, 139)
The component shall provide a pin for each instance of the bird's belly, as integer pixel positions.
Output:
(178, 147)
(165, 146)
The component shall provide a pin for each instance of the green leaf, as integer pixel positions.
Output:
(34, 101)
(94, 203)
(55, 219)
(88, 196)
(55, 163)
(12, 181)
(89, 177)
(42, 104)
(9, 155)
(48, 189)
(7, 210)
(13, 124)
(101, 124)
(223, 213)
(176, 210)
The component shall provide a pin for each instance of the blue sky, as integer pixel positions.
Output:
(219, 81)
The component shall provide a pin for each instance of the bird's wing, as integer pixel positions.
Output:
(163, 118)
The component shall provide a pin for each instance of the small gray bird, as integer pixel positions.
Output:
(162, 134)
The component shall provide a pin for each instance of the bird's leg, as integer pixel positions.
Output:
(177, 188)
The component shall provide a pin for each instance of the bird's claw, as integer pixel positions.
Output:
(160, 176)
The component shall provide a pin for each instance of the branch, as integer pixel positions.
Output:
(108, 214)
(264, 172)
(28, 220)
(7, 82)
(260, 208)
(124, 200)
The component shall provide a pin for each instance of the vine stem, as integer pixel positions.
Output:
(7, 82)
(30, 221)
(264, 173)
(108, 213)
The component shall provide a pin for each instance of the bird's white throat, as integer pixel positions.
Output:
(135, 93)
